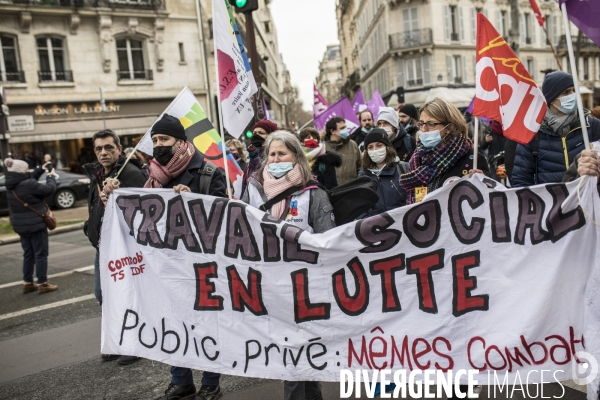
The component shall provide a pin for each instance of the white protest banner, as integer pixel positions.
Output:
(476, 276)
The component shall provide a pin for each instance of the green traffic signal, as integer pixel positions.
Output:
(248, 133)
(241, 3)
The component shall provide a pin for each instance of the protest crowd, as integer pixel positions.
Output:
(402, 154)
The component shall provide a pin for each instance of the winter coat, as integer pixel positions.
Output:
(510, 149)
(391, 195)
(358, 136)
(130, 177)
(191, 178)
(400, 147)
(30, 191)
(494, 147)
(412, 131)
(572, 173)
(320, 213)
(351, 156)
(555, 154)
(324, 169)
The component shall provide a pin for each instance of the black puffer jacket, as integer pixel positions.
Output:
(191, 178)
(30, 191)
(399, 144)
(131, 177)
(324, 169)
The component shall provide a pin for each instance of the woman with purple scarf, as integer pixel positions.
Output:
(444, 152)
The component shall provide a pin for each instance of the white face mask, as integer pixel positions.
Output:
(378, 156)
(388, 130)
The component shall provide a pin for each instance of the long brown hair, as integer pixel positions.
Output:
(390, 158)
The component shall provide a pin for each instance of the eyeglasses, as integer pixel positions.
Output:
(429, 124)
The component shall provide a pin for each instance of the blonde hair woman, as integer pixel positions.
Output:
(236, 148)
(444, 151)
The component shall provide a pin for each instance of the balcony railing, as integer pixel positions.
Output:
(139, 4)
(457, 80)
(145, 75)
(410, 39)
(353, 80)
(15, 76)
(586, 44)
(454, 37)
(58, 76)
(414, 82)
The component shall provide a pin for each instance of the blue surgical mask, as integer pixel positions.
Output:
(280, 169)
(568, 104)
(367, 131)
(430, 139)
(344, 133)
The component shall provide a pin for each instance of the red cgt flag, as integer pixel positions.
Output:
(538, 14)
(504, 90)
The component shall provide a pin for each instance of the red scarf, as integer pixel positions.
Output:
(160, 176)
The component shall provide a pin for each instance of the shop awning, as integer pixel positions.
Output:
(50, 131)
(460, 97)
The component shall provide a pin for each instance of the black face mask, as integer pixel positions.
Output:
(257, 140)
(163, 154)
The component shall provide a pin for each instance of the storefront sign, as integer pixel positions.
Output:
(20, 123)
(76, 110)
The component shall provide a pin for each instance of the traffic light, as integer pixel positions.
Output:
(400, 94)
(244, 6)
(248, 134)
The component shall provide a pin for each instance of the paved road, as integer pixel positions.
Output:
(54, 353)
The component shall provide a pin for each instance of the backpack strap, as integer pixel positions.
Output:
(535, 145)
(401, 167)
(206, 175)
(281, 196)
(407, 145)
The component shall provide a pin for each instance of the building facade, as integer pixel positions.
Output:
(330, 78)
(428, 47)
(57, 54)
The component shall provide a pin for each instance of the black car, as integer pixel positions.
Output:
(69, 189)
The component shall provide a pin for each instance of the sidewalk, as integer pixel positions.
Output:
(76, 215)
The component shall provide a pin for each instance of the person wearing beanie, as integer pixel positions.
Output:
(108, 150)
(402, 142)
(408, 116)
(560, 138)
(23, 188)
(260, 131)
(337, 140)
(179, 166)
(381, 164)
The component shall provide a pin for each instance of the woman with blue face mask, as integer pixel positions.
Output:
(283, 188)
(559, 140)
(444, 152)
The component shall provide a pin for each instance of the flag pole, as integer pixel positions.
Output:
(220, 116)
(584, 130)
(552, 47)
(475, 142)
(306, 124)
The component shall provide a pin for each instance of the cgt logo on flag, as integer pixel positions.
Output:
(504, 89)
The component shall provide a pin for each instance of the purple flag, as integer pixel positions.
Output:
(319, 103)
(375, 103)
(585, 15)
(359, 100)
(343, 109)
(470, 111)
(265, 109)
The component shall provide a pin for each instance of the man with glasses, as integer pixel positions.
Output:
(108, 150)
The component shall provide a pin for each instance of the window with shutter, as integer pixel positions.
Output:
(426, 70)
(450, 68)
(473, 25)
(447, 23)
(463, 61)
(522, 27)
(400, 71)
(461, 23)
(533, 22)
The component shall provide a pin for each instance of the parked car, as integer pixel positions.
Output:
(70, 188)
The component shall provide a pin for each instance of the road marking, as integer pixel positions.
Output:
(82, 269)
(47, 306)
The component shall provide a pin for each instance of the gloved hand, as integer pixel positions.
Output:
(501, 171)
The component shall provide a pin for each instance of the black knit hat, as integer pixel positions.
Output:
(377, 135)
(169, 125)
(555, 83)
(410, 110)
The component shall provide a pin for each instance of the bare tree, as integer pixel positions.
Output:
(293, 109)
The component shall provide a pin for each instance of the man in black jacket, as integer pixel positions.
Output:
(366, 126)
(108, 149)
(178, 165)
(23, 188)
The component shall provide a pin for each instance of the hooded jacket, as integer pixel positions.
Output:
(30, 191)
(350, 154)
(391, 195)
(400, 146)
(324, 169)
(130, 177)
(555, 153)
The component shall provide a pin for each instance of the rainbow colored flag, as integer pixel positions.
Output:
(200, 131)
